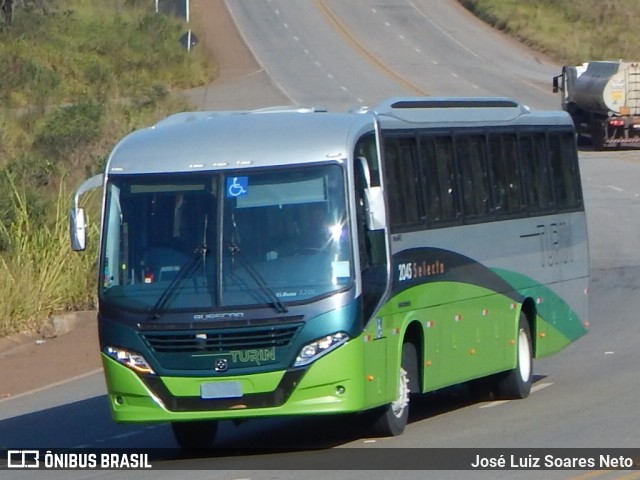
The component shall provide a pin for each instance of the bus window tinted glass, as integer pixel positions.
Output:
(437, 165)
(402, 178)
(535, 170)
(470, 156)
(503, 169)
(564, 166)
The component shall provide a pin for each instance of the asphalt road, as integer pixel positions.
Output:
(346, 54)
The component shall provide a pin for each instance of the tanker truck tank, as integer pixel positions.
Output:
(608, 87)
(603, 98)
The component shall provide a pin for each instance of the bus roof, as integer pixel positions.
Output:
(193, 141)
(198, 141)
(447, 112)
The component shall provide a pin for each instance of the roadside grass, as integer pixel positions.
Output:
(568, 31)
(100, 50)
(77, 75)
(41, 274)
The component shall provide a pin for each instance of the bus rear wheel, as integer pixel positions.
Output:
(516, 383)
(195, 435)
(391, 419)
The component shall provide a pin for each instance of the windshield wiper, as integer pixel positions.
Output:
(259, 279)
(185, 272)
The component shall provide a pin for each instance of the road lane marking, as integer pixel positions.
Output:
(441, 30)
(540, 386)
(494, 404)
(51, 385)
(535, 388)
(351, 40)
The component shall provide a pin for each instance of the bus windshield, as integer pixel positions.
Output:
(213, 240)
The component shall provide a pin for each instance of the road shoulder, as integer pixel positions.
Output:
(241, 82)
(29, 361)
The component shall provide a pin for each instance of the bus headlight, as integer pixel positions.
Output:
(316, 349)
(131, 359)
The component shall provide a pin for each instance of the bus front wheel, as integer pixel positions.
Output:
(391, 419)
(516, 383)
(195, 435)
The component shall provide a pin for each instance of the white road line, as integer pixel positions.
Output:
(441, 30)
(535, 388)
(494, 404)
(52, 385)
(540, 386)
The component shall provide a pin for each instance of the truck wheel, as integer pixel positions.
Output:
(195, 435)
(391, 420)
(516, 383)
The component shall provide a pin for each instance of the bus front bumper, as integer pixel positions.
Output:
(332, 384)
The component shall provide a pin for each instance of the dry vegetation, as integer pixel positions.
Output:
(569, 31)
(76, 76)
(79, 74)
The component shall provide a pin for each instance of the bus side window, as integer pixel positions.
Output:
(400, 155)
(535, 172)
(503, 171)
(564, 166)
(471, 163)
(437, 165)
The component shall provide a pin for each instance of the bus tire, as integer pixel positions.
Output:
(516, 383)
(195, 435)
(391, 420)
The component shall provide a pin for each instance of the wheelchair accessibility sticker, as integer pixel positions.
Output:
(237, 186)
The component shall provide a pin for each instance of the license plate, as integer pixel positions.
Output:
(220, 390)
(636, 127)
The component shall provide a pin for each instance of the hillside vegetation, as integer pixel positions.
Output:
(76, 75)
(569, 31)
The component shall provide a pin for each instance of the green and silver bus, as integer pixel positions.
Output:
(301, 262)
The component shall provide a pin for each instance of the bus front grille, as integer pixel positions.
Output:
(220, 341)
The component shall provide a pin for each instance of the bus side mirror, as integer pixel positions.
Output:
(374, 200)
(77, 221)
(77, 229)
(374, 205)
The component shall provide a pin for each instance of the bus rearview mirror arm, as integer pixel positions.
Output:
(376, 218)
(77, 219)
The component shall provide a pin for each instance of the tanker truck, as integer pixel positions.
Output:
(603, 99)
